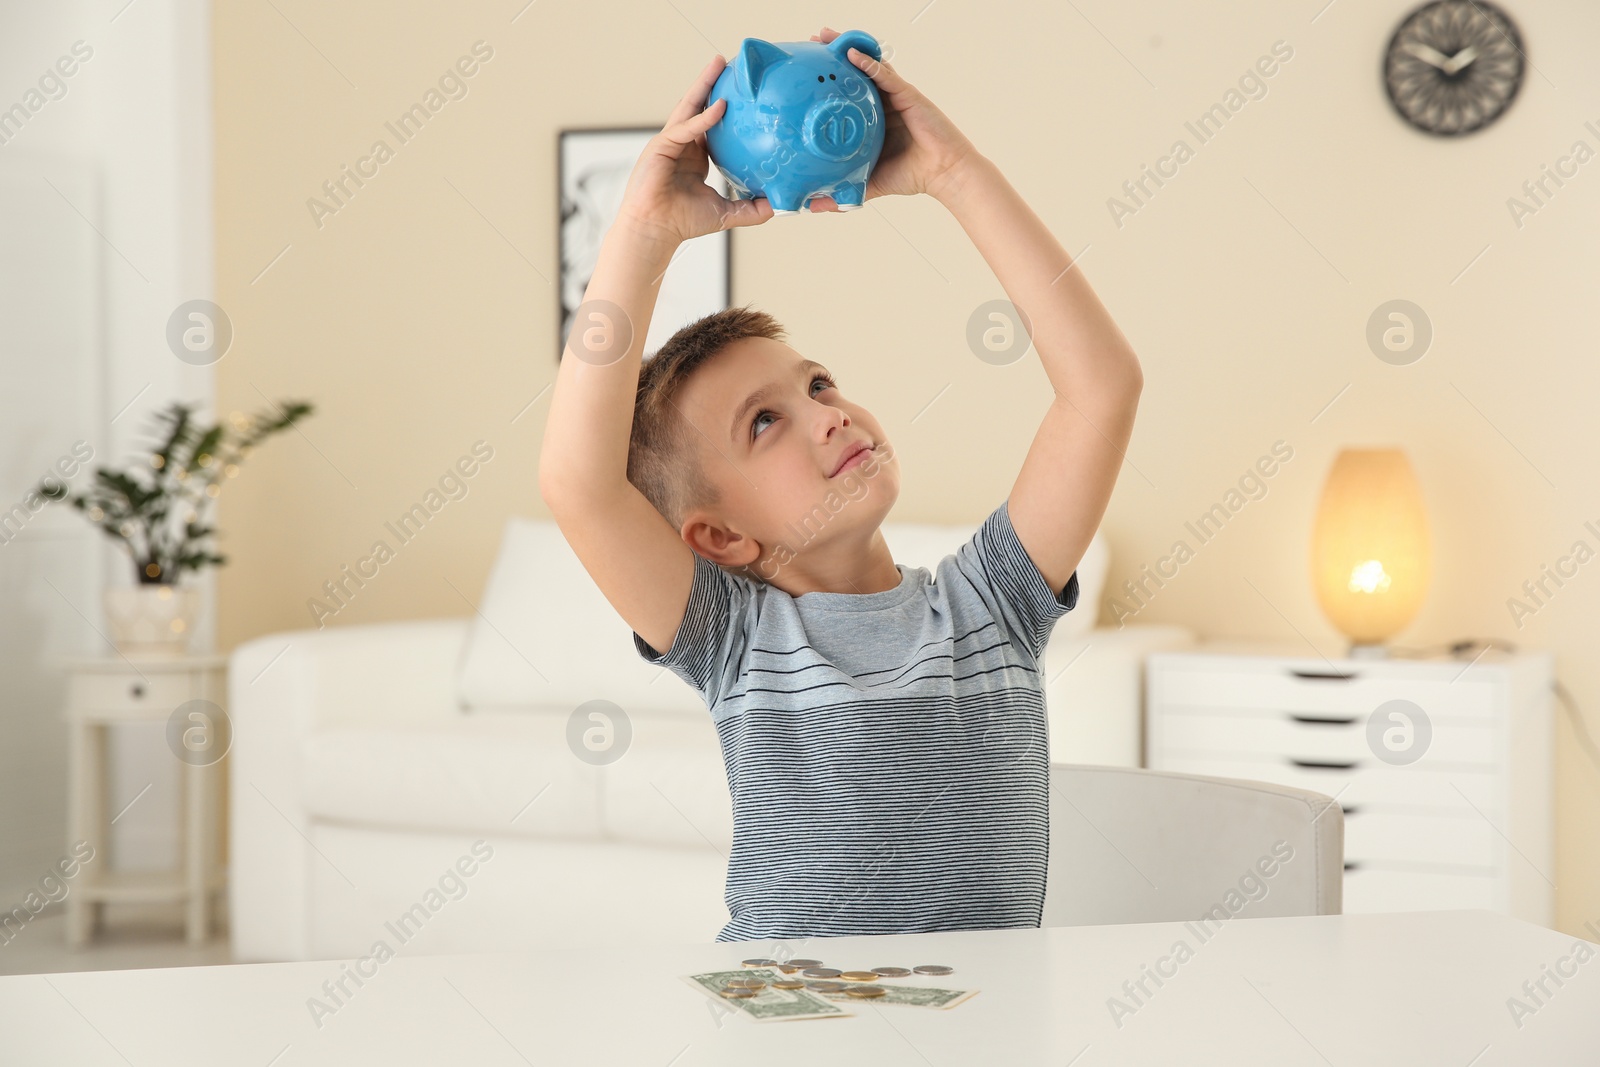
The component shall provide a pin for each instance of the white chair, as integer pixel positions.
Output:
(1129, 845)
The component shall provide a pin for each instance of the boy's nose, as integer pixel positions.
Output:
(833, 419)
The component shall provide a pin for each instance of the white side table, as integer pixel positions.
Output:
(187, 694)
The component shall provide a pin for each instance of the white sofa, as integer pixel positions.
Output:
(413, 784)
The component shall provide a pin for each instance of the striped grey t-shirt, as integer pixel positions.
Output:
(887, 753)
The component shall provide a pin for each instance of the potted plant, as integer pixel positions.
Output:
(160, 511)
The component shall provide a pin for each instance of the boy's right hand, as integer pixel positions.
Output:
(667, 199)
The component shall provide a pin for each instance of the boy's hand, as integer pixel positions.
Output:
(667, 199)
(921, 146)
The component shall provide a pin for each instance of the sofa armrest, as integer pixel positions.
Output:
(280, 688)
(1094, 690)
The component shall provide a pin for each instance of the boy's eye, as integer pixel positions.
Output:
(755, 423)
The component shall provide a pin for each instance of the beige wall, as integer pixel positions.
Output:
(420, 323)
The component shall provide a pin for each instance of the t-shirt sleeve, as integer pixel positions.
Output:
(712, 628)
(1027, 608)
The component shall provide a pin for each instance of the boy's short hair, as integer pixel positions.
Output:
(663, 449)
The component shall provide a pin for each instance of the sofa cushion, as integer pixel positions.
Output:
(670, 787)
(480, 773)
(546, 636)
(476, 774)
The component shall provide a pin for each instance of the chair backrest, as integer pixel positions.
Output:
(1129, 845)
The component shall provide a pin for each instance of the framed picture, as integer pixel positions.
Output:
(594, 167)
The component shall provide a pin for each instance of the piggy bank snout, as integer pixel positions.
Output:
(835, 128)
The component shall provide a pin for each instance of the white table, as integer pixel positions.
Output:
(1409, 988)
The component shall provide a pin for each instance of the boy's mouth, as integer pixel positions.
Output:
(851, 458)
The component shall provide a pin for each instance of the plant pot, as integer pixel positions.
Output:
(151, 620)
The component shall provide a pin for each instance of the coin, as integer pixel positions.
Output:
(736, 993)
(822, 972)
(890, 972)
(866, 991)
(860, 976)
(746, 983)
(788, 983)
(759, 963)
(801, 964)
(933, 968)
(826, 987)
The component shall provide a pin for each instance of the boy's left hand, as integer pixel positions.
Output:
(921, 147)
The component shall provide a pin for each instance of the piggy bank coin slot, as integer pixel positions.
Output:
(835, 130)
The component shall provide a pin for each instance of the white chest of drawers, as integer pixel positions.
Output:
(1447, 797)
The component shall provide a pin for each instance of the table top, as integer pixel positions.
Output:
(1411, 988)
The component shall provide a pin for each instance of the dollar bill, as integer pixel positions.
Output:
(769, 1005)
(911, 995)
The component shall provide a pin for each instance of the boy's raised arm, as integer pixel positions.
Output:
(1065, 484)
(634, 555)
(1066, 480)
(585, 449)
(666, 203)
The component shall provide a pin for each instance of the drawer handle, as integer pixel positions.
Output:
(1324, 676)
(1324, 720)
(136, 691)
(1352, 865)
(1325, 765)
(1350, 809)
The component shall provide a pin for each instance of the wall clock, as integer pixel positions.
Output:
(1453, 66)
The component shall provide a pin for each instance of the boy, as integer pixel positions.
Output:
(884, 733)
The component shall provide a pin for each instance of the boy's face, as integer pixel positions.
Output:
(774, 460)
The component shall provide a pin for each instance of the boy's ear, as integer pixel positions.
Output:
(720, 545)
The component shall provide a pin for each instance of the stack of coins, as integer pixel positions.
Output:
(742, 988)
(813, 975)
(791, 966)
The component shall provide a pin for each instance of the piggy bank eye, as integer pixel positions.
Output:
(830, 78)
(819, 77)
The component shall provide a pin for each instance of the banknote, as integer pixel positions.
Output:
(911, 996)
(769, 1005)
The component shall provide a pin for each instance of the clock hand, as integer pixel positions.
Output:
(1461, 59)
(1431, 56)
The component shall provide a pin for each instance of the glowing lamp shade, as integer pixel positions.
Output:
(1370, 553)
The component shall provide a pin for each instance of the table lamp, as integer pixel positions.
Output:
(1370, 555)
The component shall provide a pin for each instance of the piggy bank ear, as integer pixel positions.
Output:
(857, 39)
(755, 56)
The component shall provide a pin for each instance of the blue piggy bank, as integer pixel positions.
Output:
(801, 121)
